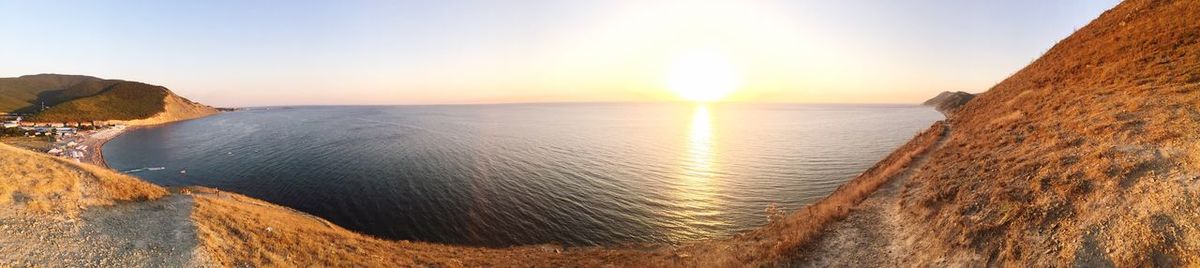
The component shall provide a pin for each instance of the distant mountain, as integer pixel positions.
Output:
(26, 94)
(948, 102)
(86, 98)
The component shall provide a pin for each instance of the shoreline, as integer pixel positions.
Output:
(219, 215)
(96, 142)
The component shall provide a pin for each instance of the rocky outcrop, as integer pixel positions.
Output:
(948, 102)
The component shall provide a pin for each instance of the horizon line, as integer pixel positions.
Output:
(580, 102)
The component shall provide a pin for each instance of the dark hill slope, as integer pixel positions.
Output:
(121, 101)
(86, 98)
(27, 93)
(1088, 156)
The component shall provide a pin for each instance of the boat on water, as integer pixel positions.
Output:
(156, 168)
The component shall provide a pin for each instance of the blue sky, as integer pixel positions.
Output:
(247, 53)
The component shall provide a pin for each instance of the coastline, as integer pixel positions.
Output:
(96, 142)
(219, 221)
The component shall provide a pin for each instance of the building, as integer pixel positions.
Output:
(64, 131)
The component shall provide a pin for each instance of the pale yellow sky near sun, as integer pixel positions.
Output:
(416, 52)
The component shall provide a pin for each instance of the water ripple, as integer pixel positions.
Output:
(502, 175)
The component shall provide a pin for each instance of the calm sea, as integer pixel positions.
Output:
(500, 175)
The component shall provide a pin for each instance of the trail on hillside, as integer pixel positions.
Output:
(868, 236)
(134, 234)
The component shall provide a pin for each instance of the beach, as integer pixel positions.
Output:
(82, 147)
(95, 143)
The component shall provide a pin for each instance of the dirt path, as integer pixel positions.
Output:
(142, 234)
(868, 236)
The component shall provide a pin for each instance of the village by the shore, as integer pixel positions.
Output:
(79, 141)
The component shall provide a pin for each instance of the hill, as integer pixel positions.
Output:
(26, 94)
(85, 98)
(120, 101)
(1087, 157)
(948, 102)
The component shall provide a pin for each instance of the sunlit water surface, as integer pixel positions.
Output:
(499, 175)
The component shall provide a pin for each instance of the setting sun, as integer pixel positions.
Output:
(702, 76)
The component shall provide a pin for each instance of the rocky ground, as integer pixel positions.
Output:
(135, 234)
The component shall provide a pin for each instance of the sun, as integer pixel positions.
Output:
(702, 76)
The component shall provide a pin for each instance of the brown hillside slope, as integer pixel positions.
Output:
(130, 103)
(175, 108)
(1087, 156)
(54, 212)
(36, 183)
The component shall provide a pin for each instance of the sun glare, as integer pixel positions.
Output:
(702, 76)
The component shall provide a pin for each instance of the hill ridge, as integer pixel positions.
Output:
(87, 98)
(1082, 158)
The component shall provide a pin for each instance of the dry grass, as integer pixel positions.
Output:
(175, 108)
(40, 143)
(797, 230)
(38, 183)
(242, 231)
(1086, 157)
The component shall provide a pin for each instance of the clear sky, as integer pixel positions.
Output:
(252, 53)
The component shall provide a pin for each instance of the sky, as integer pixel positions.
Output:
(265, 53)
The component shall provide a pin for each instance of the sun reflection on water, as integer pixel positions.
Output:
(696, 194)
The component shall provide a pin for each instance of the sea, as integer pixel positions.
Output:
(576, 174)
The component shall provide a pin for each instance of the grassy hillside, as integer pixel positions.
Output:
(1089, 156)
(121, 101)
(26, 93)
(39, 183)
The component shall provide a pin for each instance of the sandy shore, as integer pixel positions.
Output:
(95, 144)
